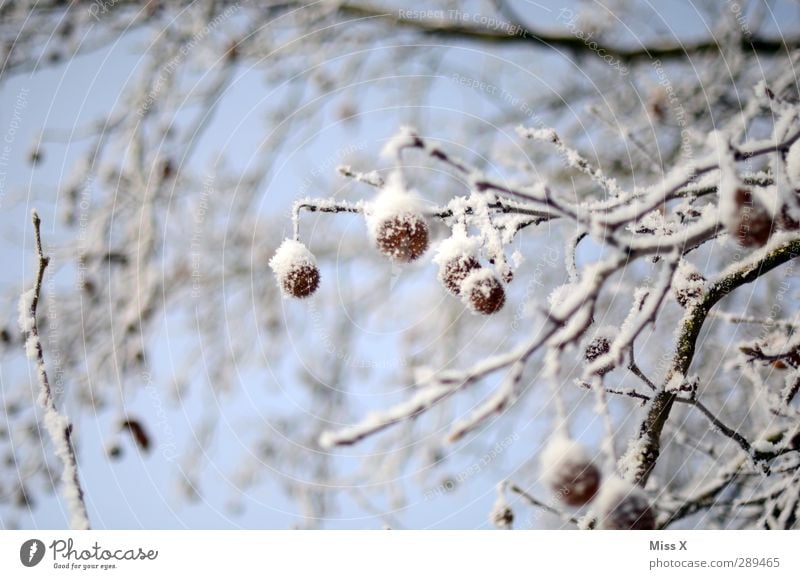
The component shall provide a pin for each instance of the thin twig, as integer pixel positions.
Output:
(58, 426)
(541, 505)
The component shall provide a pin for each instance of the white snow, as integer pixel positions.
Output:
(559, 453)
(57, 426)
(394, 201)
(729, 181)
(688, 282)
(613, 491)
(793, 164)
(26, 320)
(457, 246)
(501, 514)
(405, 137)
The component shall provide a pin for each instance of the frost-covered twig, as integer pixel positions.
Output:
(501, 400)
(719, 425)
(58, 426)
(572, 157)
(533, 501)
(643, 452)
(441, 386)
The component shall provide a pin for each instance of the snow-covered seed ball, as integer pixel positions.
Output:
(598, 346)
(456, 270)
(570, 472)
(457, 257)
(482, 292)
(689, 285)
(624, 506)
(753, 224)
(396, 221)
(402, 237)
(295, 269)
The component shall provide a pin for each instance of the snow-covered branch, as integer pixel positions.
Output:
(58, 426)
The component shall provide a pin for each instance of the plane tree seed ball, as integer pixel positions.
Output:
(402, 237)
(569, 472)
(457, 257)
(295, 269)
(599, 346)
(301, 281)
(624, 506)
(396, 220)
(456, 270)
(482, 292)
(753, 225)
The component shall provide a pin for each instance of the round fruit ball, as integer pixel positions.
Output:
(301, 281)
(482, 292)
(599, 346)
(295, 269)
(402, 237)
(752, 225)
(623, 506)
(454, 272)
(569, 472)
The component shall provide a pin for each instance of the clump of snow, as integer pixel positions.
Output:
(688, 284)
(394, 201)
(25, 305)
(457, 246)
(405, 137)
(793, 164)
(729, 182)
(559, 295)
(501, 515)
(291, 256)
(622, 505)
(537, 134)
(27, 322)
(32, 346)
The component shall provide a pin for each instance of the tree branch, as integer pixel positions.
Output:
(58, 426)
(516, 35)
(647, 447)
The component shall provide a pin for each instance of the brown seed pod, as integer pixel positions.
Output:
(402, 237)
(577, 483)
(623, 506)
(598, 346)
(301, 281)
(752, 225)
(569, 472)
(482, 292)
(295, 269)
(137, 432)
(456, 270)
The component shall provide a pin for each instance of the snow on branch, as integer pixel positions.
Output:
(58, 426)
